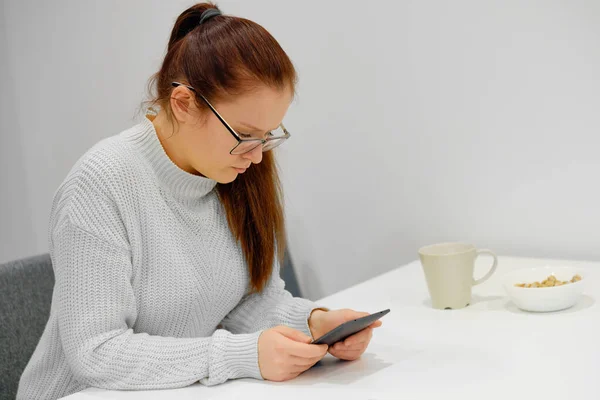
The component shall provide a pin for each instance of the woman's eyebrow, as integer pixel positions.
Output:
(255, 129)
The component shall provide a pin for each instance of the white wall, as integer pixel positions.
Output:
(15, 220)
(76, 73)
(426, 121)
(416, 121)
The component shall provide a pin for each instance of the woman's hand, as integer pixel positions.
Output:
(320, 322)
(284, 353)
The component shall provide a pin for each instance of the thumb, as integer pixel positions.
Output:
(358, 314)
(293, 334)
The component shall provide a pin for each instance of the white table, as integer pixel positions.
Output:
(490, 350)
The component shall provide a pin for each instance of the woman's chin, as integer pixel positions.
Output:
(226, 177)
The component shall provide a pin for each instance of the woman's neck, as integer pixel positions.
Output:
(171, 142)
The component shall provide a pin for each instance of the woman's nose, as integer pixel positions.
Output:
(255, 156)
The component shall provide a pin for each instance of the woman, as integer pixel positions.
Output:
(165, 239)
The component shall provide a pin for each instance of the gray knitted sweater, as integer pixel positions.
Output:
(151, 287)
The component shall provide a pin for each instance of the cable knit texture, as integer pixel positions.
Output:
(152, 290)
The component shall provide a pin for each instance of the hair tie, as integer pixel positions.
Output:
(208, 14)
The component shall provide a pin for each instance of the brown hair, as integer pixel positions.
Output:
(227, 56)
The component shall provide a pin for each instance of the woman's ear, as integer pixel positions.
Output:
(181, 102)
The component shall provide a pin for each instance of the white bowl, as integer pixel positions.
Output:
(544, 299)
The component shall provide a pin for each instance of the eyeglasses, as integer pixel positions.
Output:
(244, 145)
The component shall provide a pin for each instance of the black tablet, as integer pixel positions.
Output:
(348, 328)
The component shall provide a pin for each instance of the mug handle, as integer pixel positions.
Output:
(491, 271)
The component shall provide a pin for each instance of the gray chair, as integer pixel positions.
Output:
(289, 277)
(25, 296)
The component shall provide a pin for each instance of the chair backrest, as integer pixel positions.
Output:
(25, 296)
(289, 277)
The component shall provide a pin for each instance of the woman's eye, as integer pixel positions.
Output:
(269, 134)
(245, 136)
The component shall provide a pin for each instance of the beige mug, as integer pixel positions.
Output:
(448, 269)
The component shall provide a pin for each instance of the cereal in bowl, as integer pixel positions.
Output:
(550, 281)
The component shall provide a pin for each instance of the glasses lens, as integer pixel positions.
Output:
(271, 144)
(277, 137)
(246, 146)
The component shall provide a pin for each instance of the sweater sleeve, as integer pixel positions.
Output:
(271, 307)
(96, 310)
